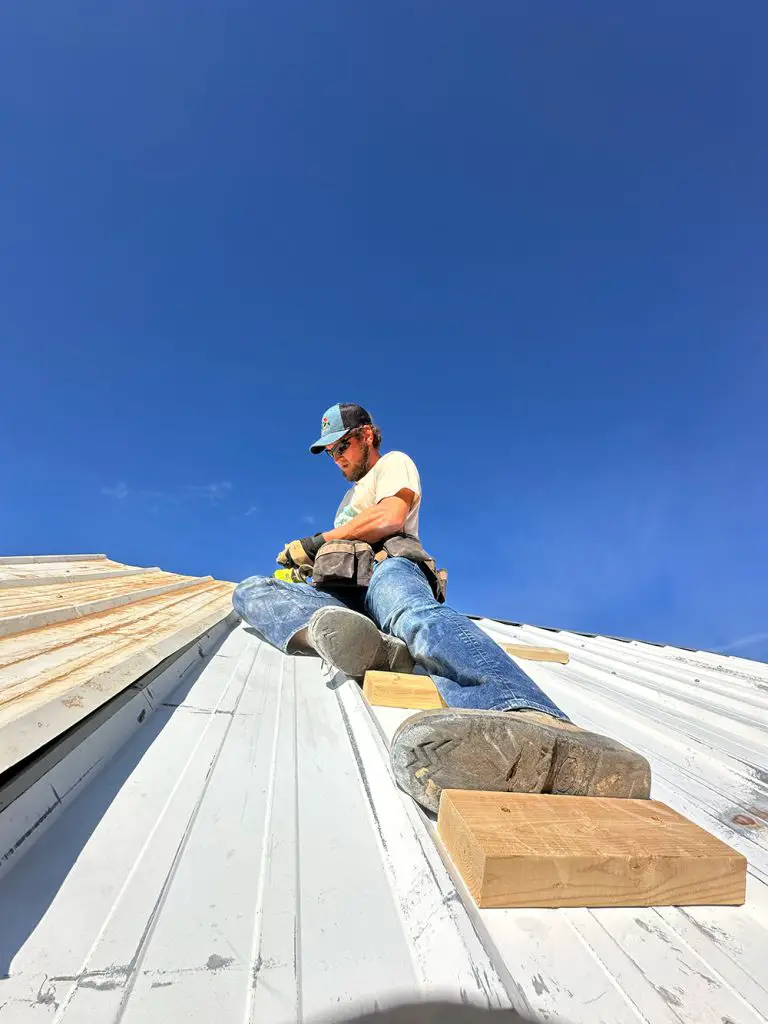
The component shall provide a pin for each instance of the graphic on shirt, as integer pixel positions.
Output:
(346, 510)
(343, 516)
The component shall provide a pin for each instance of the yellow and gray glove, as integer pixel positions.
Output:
(301, 552)
(293, 575)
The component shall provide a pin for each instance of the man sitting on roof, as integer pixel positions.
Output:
(499, 731)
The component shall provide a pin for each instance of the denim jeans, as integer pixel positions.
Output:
(469, 669)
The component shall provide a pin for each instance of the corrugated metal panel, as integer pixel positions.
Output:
(76, 630)
(246, 856)
(700, 719)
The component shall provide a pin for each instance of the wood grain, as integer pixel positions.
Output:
(527, 653)
(531, 850)
(399, 690)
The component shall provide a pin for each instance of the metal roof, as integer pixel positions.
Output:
(700, 719)
(223, 840)
(244, 856)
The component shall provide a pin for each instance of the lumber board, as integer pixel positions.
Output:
(401, 690)
(534, 850)
(525, 652)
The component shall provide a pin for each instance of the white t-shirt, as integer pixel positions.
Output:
(391, 474)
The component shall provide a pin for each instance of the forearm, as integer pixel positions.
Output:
(371, 525)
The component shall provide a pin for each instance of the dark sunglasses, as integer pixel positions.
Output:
(340, 447)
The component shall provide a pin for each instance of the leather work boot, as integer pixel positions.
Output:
(511, 752)
(352, 643)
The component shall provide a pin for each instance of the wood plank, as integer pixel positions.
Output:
(25, 608)
(37, 559)
(528, 653)
(52, 677)
(400, 690)
(533, 850)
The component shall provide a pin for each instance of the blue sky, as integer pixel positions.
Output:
(531, 238)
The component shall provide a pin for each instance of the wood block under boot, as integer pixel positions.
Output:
(526, 653)
(399, 690)
(533, 850)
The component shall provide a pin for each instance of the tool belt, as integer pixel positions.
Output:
(350, 563)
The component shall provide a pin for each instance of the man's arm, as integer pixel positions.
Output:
(372, 524)
(378, 522)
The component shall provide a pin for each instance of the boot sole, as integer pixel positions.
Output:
(351, 647)
(497, 751)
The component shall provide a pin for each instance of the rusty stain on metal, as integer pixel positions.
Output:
(760, 819)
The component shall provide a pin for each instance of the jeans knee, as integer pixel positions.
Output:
(251, 587)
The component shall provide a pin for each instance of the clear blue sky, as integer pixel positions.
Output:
(531, 237)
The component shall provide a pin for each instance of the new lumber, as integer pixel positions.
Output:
(537, 653)
(400, 690)
(532, 850)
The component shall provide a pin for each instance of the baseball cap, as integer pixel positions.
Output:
(338, 421)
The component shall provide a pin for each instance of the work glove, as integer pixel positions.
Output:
(301, 552)
(293, 575)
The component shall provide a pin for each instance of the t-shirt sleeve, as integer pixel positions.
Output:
(397, 471)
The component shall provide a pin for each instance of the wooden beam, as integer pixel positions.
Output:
(399, 690)
(537, 653)
(531, 850)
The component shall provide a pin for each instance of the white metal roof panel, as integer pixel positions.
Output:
(246, 856)
(700, 720)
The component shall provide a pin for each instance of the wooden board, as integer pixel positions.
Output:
(537, 653)
(531, 850)
(399, 690)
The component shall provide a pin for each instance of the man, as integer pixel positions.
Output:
(499, 731)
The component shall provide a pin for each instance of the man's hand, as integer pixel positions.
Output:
(301, 552)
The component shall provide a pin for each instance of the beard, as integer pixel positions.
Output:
(355, 473)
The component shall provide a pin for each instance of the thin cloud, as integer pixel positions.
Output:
(308, 519)
(119, 491)
(251, 510)
(751, 640)
(214, 492)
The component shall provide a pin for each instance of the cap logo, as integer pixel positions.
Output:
(326, 425)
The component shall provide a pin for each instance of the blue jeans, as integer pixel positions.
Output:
(469, 669)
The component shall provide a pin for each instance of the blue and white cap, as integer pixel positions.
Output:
(338, 421)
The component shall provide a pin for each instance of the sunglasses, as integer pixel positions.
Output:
(341, 446)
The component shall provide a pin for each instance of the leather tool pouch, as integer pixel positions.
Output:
(350, 563)
(343, 563)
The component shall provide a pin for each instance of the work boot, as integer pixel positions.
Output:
(352, 643)
(511, 752)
